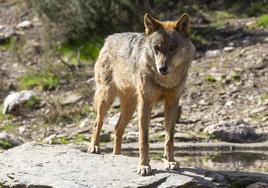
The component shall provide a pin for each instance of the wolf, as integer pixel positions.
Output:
(143, 69)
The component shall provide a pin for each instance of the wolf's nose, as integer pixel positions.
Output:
(163, 70)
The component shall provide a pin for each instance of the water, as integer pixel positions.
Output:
(246, 161)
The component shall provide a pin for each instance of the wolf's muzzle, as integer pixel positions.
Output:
(163, 70)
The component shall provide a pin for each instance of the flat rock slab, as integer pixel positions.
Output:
(62, 166)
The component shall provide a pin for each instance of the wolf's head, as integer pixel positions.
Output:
(169, 42)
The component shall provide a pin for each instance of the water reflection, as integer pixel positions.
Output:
(247, 161)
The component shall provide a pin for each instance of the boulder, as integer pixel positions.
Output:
(238, 131)
(15, 99)
(63, 166)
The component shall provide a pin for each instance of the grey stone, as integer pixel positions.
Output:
(70, 98)
(212, 53)
(24, 24)
(63, 166)
(258, 185)
(15, 99)
(11, 139)
(233, 131)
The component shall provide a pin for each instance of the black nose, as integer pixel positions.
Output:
(163, 70)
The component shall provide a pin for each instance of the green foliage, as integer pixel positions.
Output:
(46, 80)
(263, 21)
(32, 102)
(5, 45)
(5, 145)
(80, 138)
(87, 19)
(257, 8)
(84, 50)
(60, 140)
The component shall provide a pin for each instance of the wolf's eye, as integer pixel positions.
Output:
(156, 48)
(172, 48)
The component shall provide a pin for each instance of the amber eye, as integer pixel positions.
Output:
(156, 48)
(173, 48)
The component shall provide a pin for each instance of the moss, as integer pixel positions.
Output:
(46, 80)
(263, 21)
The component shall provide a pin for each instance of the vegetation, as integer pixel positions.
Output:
(4, 144)
(263, 21)
(46, 80)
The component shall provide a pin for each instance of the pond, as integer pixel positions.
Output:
(246, 161)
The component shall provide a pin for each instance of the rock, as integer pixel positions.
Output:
(24, 25)
(233, 132)
(15, 99)
(85, 123)
(9, 141)
(258, 185)
(212, 53)
(5, 33)
(105, 136)
(70, 98)
(228, 48)
(60, 166)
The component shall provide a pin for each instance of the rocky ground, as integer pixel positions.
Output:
(226, 98)
(63, 166)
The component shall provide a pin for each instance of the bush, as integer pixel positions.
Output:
(263, 21)
(86, 19)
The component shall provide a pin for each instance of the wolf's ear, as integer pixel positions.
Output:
(183, 24)
(151, 24)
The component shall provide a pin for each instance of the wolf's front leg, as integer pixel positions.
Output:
(171, 113)
(144, 113)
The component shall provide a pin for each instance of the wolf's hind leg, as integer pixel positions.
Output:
(103, 98)
(127, 108)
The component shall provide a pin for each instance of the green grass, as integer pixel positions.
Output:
(198, 39)
(80, 138)
(263, 21)
(46, 80)
(7, 128)
(210, 78)
(4, 116)
(156, 156)
(60, 140)
(5, 45)
(5, 144)
(264, 96)
(32, 102)
(87, 50)
(158, 138)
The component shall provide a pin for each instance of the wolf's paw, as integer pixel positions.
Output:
(171, 165)
(94, 149)
(144, 170)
